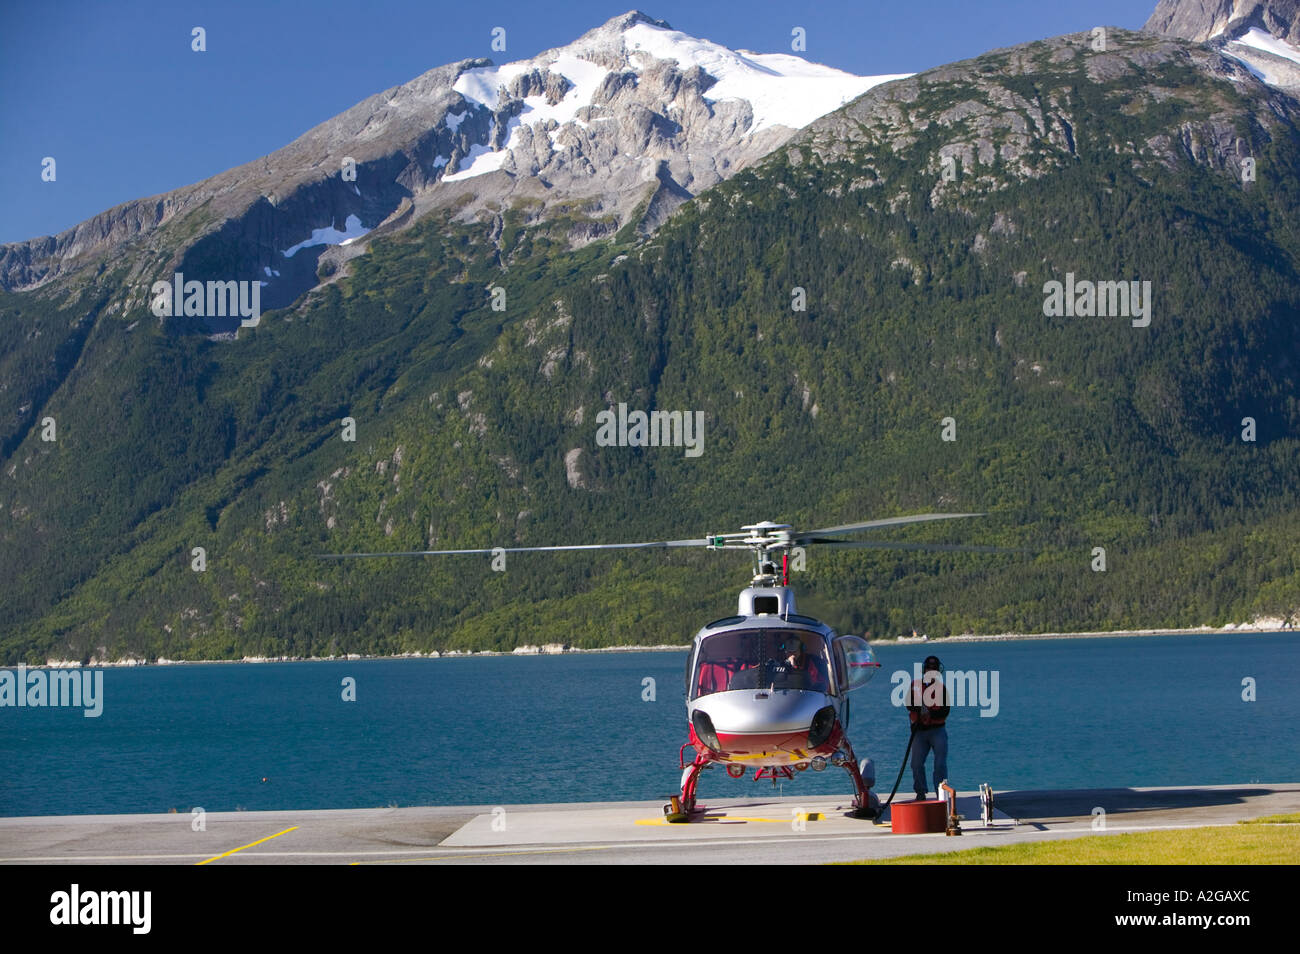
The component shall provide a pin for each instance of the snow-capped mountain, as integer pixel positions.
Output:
(730, 94)
(632, 112)
(623, 124)
(1263, 35)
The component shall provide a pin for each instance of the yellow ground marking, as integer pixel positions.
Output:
(802, 816)
(227, 854)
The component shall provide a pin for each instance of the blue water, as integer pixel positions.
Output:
(1076, 713)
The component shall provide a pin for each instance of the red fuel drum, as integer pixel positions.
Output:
(918, 818)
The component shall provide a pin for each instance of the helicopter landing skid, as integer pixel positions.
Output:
(673, 813)
(862, 799)
(679, 808)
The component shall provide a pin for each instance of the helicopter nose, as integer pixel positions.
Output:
(749, 712)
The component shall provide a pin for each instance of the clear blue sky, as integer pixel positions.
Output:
(114, 93)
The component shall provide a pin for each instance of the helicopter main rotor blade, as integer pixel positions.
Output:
(935, 547)
(751, 538)
(493, 550)
(808, 536)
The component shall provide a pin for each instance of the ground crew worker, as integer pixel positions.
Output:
(927, 708)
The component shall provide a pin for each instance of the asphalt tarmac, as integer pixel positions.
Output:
(787, 830)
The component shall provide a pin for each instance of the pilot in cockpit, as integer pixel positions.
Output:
(801, 666)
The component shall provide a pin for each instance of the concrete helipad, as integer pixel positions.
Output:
(730, 831)
(722, 819)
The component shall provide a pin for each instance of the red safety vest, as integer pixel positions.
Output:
(930, 696)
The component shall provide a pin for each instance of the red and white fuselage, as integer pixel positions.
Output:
(768, 689)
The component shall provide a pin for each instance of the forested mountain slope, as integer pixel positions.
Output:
(923, 283)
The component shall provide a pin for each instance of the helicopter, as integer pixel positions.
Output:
(766, 688)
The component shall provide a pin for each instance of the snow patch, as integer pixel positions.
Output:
(483, 84)
(352, 230)
(1257, 39)
(481, 159)
(783, 90)
(1263, 40)
(1250, 68)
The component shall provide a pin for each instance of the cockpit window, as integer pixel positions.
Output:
(762, 659)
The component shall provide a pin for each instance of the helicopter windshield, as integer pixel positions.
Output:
(762, 659)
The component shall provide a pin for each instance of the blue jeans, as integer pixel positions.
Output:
(922, 743)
